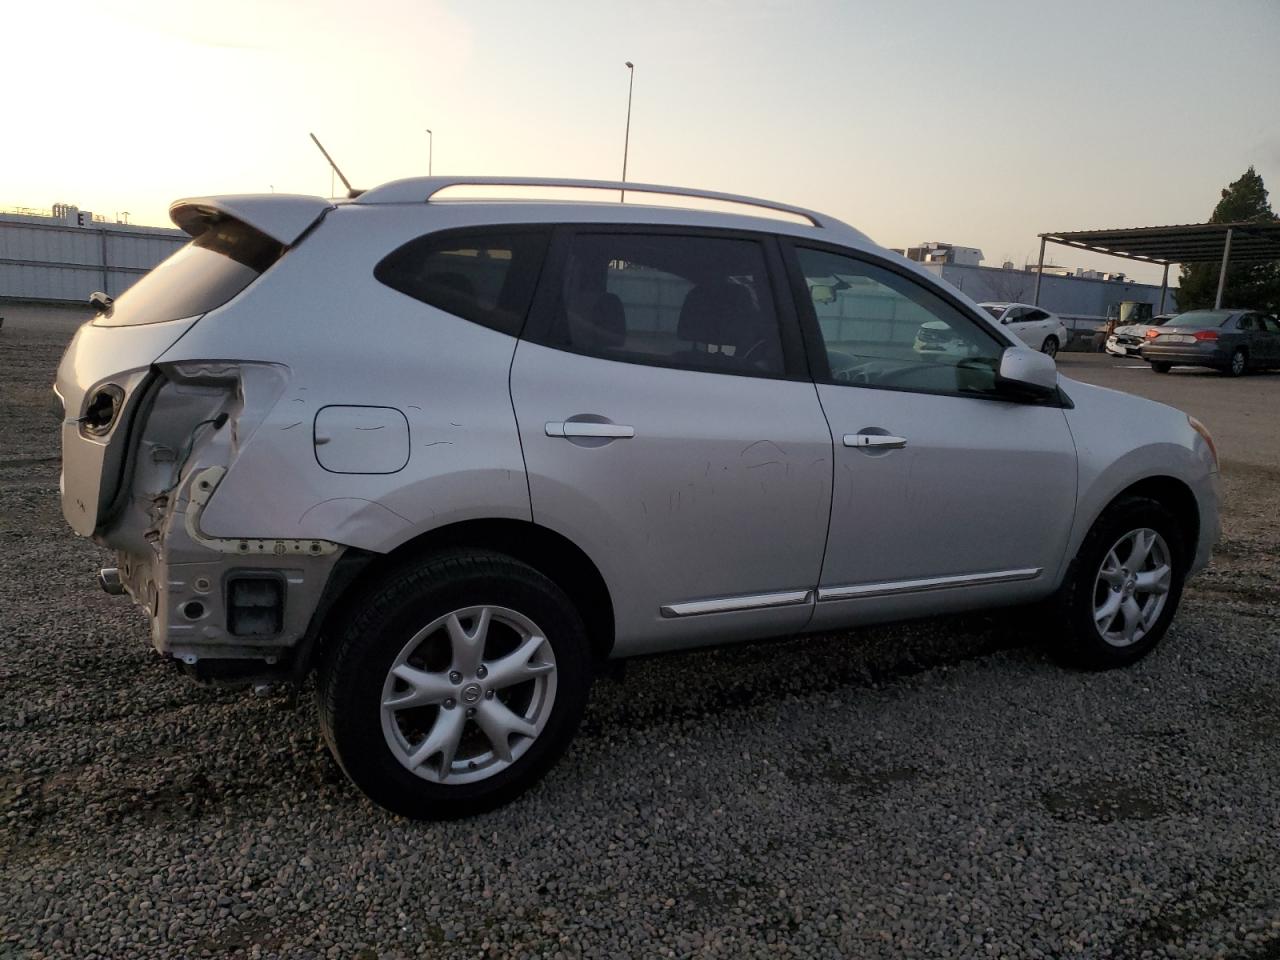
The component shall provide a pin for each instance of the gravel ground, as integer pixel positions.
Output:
(938, 789)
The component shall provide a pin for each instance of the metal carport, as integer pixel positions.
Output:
(1244, 242)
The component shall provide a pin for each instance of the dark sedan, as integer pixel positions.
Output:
(1233, 341)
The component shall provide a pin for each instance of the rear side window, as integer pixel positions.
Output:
(702, 303)
(203, 275)
(487, 277)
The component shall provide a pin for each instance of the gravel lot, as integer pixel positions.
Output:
(938, 789)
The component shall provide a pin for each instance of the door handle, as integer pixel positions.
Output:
(878, 440)
(578, 428)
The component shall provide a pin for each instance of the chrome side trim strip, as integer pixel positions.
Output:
(860, 590)
(732, 604)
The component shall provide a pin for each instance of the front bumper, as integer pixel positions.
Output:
(1123, 346)
(1209, 500)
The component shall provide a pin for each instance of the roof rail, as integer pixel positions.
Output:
(422, 189)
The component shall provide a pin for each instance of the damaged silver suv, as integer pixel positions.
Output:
(453, 453)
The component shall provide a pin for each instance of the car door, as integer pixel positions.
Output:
(1271, 339)
(947, 494)
(670, 430)
(1039, 324)
(1243, 331)
(1030, 325)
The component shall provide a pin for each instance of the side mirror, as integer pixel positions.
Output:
(1028, 373)
(101, 302)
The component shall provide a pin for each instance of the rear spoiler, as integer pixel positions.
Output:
(282, 217)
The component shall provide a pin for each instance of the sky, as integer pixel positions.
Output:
(980, 123)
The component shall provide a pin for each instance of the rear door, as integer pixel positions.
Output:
(1271, 339)
(670, 430)
(1030, 325)
(945, 495)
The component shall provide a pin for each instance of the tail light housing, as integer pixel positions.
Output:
(102, 410)
(1206, 335)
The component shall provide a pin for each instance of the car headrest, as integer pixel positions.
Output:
(721, 313)
(602, 325)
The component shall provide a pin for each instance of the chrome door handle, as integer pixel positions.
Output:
(576, 428)
(874, 440)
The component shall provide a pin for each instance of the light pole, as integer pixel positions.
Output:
(626, 140)
(430, 148)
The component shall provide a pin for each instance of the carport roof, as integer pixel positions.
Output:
(1181, 243)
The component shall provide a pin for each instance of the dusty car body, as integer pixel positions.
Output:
(453, 452)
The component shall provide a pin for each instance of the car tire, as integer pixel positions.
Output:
(1161, 367)
(1050, 346)
(423, 689)
(1113, 610)
(1238, 365)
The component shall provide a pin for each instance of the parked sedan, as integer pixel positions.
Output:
(1233, 341)
(1125, 341)
(1038, 329)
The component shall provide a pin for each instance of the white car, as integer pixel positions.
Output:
(1038, 329)
(1125, 341)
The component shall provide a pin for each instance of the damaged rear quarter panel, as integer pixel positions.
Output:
(346, 339)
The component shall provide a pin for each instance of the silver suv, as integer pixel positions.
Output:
(454, 453)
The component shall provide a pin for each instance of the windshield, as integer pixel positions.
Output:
(1199, 319)
(204, 274)
(993, 309)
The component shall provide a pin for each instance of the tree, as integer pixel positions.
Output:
(1255, 285)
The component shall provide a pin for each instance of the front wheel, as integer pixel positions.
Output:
(1124, 586)
(1050, 346)
(457, 684)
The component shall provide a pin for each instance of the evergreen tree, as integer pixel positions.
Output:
(1256, 285)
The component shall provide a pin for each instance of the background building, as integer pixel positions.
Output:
(1083, 298)
(50, 261)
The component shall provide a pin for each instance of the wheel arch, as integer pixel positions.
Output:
(548, 552)
(1176, 496)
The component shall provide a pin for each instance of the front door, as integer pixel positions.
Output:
(670, 432)
(945, 495)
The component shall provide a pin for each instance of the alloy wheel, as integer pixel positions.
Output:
(1132, 587)
(468, 694)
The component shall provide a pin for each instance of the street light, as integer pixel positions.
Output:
(430, 149)
(626, 142)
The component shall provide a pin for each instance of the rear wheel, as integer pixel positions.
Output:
(1050, 346)
(1161, 367)
(1124, 587)
(1238, 364)
(456, 686)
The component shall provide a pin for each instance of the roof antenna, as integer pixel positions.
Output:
(352, 192)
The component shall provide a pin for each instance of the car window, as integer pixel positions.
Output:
(882, 329)
(1271, 324)
(1200, 319)
(701, 302)
(994, 309)
(1035, 315)
(486, 276)
(201, 276)
(1017, 315)
(1246, 322)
